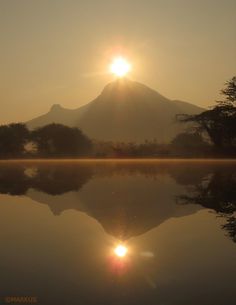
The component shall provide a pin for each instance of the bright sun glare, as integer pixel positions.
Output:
(120, 66)
(120, 251)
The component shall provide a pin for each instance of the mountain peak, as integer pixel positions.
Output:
(125, 88)
(126, 111)
(56, 107)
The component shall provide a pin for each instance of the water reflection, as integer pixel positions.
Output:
(216, 191)
(176, 251)
(128, 199)
(17, 179)
(120, 251)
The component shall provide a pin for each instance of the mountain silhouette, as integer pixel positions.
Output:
(124, 203)
(124, 111)
(127, 199)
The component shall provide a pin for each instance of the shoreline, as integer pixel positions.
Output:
(120, 160)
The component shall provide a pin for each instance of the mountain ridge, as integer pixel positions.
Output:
(125, 111)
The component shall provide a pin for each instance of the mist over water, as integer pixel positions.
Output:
(61, 222)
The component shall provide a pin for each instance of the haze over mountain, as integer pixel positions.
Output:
(124, 111)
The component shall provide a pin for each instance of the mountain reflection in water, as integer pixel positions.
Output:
(124, 232)
(127, 198)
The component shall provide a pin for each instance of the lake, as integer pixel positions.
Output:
(174, 221)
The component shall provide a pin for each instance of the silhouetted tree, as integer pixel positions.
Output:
(189, 143)
(219, 123)
(146, 149)
(59, 179)
(13, 180)
(60, 140)
(229, 92)
(50, 178)
(218, 192)
(13, 138)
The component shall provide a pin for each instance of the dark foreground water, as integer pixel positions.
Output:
(61, 221)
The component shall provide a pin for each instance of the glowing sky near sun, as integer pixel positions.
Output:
(120, 66)
(65, 58)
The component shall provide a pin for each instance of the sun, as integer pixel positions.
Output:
(120, 67)
(120, 251)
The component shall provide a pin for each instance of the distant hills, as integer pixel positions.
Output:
(124, 111)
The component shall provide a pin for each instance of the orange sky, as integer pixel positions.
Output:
(58, 51)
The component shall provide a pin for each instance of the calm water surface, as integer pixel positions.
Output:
(61, 221)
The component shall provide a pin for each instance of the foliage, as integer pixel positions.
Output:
(53, 179)
(130, 149)
(219, 123)
(189, 143)
(13, 137)
(60, 140)
(216, 192)
(229, 92)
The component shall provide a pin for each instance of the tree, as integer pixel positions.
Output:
(60, 140)
(216, 191)
(13, 138)
(230, 92)
(219, 123)
(188, 142)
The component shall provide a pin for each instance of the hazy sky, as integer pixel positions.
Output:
(57, 51)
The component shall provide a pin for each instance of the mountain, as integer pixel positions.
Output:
(123, 203)
(126, 198)
(58, 114)
(121, 219)
(124, 111)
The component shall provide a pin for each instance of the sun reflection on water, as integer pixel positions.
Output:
(119, 260)
(120, 251)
